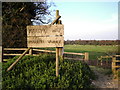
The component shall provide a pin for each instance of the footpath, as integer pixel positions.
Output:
(104, 78)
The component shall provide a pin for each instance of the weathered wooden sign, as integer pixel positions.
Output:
(45, 36)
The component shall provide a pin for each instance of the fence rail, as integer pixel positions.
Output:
(15, 48)
(115, 63)
(105, 63)
(31, 52)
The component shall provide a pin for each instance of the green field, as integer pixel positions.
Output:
(94, 51)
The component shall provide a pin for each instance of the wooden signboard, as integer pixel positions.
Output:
(45, 36)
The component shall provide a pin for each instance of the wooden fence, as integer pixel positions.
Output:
(17, 51)
(113, 61)
(116, 64)
(105, 61)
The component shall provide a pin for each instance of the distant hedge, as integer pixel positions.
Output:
(39, 72)
(93, 42)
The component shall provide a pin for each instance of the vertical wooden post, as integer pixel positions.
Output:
(57, 14)
(59, 22)
(57, 61)
(61, 52)
(57, 50)
(86, 56)
(60, 48)
(114, 67)
(101, 63)
(30, 51)
(1, 54)
(113, 64)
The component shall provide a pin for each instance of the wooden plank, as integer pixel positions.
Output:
(57, 18)
(116, 66)
(45, 30)
(11, 54)
(44, 50)
(45, 41)
(117, 55)
(74, 53)
(115, 60)
(54, 52)
(11, 66)
(15, 48)
(73, 58)
(106, 57)
(14, 54)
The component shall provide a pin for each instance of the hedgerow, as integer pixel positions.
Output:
(39, 72)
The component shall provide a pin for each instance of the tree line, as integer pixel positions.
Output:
(92, 42)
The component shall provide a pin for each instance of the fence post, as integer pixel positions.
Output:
(86, 56)
(61, 52)
(1, 51)
(30, 51)
(113, 65)
(97, 62)
(101, 63)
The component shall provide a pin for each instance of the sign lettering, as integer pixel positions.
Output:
(45, 36)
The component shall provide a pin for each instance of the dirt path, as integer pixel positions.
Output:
(104, 80)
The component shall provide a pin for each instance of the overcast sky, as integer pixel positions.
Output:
(89, 20)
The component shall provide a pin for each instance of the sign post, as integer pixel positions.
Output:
(59, 53)
(47, 36)
(57, 61)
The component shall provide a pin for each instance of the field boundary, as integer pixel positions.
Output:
(115, 63)
(33, 50)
